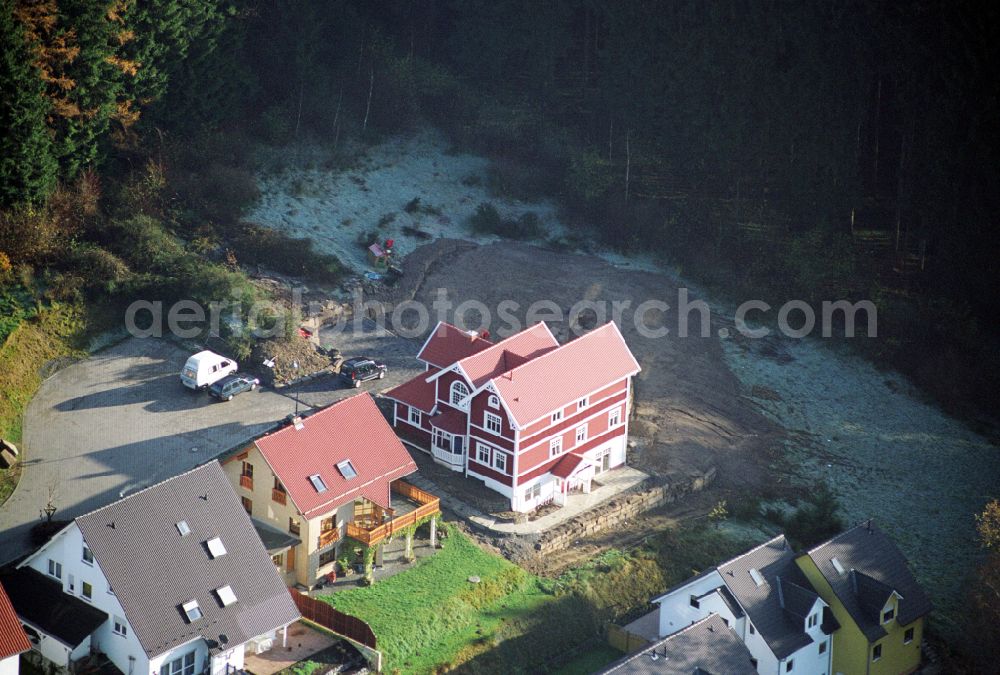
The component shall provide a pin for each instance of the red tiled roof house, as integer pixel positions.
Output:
(13, 640)
(532, 419)
(331, 475)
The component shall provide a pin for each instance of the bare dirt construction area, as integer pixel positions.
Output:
(689, 411)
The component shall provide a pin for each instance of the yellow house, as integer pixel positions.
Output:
(876, 600)
(322, 479)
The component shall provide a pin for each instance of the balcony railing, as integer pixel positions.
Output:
(429, 505)
(279, 496)
(246, 482)
(328, 537)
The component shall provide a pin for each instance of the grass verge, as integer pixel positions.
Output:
(55, 332)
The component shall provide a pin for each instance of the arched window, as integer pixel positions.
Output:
(494, 401)
(458, 392)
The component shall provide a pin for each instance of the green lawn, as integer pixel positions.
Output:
(431, 618)
(590, 661)
(432, 615)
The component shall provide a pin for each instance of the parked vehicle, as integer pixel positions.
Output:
(205, 369)
(233, 385)
(361, 369)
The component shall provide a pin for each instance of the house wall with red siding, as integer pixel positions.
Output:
(490, 472)
(570, 411)
(480, 406)
(444, 386)
(534, 449)
(590, 444)
(419, 435)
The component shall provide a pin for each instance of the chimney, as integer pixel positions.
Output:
(297, 422)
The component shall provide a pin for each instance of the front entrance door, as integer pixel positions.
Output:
(290, 560)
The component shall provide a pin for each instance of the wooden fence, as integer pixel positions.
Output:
(320, 612)
(622, 640)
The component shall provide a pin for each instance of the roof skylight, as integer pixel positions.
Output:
(756, 576)
(226, 595)
(183, 528)
(347, 470)
(318, 482)
(215, 547)
(837, 566)
(192, 611)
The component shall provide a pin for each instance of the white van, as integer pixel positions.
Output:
(205, 369)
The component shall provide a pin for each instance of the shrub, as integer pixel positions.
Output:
(257, 245)
(276, 124)
(486, 219)
(511, 177)
(103, 269)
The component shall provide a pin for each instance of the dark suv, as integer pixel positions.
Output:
(360, 369)
(232, 385)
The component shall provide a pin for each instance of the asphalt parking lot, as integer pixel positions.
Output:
(121, 420)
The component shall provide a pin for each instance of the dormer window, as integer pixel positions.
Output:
(888, 615)
(346, 470)
(837, 566)
(192, 612)
(458, 392)
(226, 595)
(215, 547)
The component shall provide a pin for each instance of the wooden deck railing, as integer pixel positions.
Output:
(246, 482)
(328, 537)
(429, 505)
(279, 496)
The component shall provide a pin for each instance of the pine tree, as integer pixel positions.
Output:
(27, 166)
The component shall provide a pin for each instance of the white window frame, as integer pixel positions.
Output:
(87, 556)
(557, 415)
(583, 403)
(55, 569)
(555, 446)
(581, 434)
(874, 657)
(614, 417)
(500, 461)
(912, 635)
(493, 401)
(481, 449)
(119, 627)
(441, 439)
(89, 597)
(490, 421)
(453, 389)
(414, 416)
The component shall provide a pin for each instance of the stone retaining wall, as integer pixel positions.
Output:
(648, 495)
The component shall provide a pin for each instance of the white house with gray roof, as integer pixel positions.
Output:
(768, 603)
(171, 580)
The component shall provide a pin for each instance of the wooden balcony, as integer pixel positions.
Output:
(426, 505)
(279, 496)
(328, 537)
(246, 482)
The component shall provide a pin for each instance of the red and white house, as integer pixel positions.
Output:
(533, 419)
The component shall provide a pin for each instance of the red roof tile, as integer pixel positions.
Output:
(447, 344)
(12, 638)
(566, 466)
(418, 393)
(565, 374)
(352, 429)
(510, 353)
(451, 420)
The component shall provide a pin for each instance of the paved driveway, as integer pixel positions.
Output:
(121, 420)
